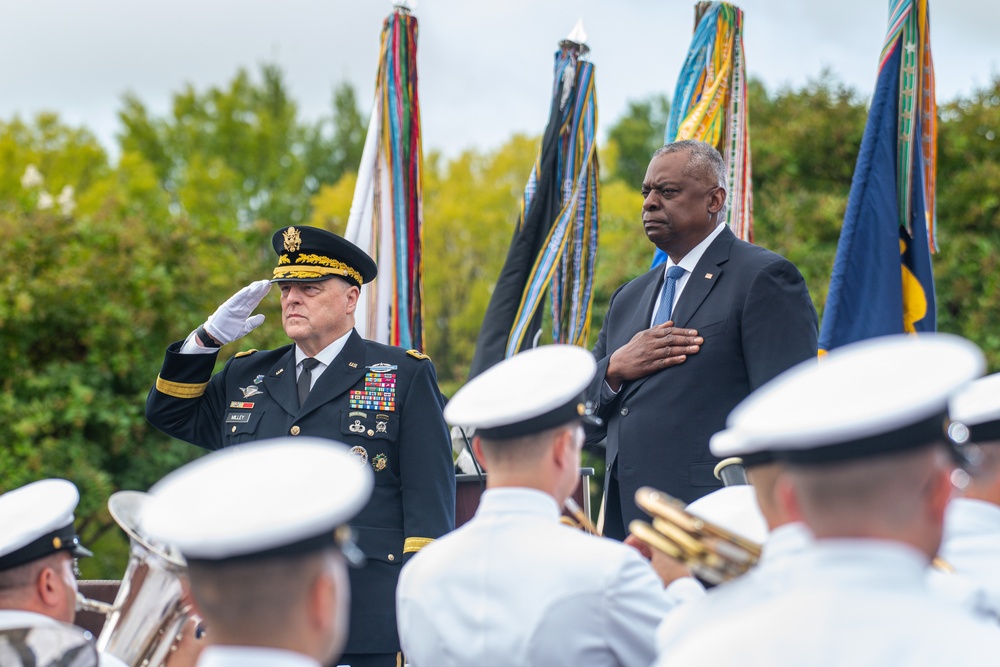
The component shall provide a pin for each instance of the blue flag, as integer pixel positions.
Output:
(882, 281)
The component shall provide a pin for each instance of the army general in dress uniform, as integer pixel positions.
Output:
(382, 401)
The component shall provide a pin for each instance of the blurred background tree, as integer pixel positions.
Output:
(110, 260)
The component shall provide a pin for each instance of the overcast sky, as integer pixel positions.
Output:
(484, 66)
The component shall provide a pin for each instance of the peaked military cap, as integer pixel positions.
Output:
(878, 396)
(534, 390)
(277, 497)
(36, 520)
(977, 406)
(310, 254)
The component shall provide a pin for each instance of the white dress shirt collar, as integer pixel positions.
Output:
(690, 260)
(252, 656)
(518, 500)
(325, 356)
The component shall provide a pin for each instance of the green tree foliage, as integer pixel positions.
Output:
(239, 155)
(135, 254)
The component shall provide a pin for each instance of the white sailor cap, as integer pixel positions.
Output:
(732, 443)
(534, 390)
(36, 520)
(874, 397)
(977, 406)
(275, 497)
(734, 508)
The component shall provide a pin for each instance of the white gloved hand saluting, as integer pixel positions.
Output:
(233, 320)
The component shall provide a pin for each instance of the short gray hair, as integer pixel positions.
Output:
(704, 163)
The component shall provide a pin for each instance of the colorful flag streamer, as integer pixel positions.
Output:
(554, 248)
(710, 105)
(882, 279)
(386, 218)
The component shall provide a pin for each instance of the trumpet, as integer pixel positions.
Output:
(713, 553)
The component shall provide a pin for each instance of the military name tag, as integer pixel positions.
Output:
(237, 417)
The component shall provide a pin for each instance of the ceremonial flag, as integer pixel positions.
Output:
(554, 247)
(386, 218)
(882, 281)
(710, 105)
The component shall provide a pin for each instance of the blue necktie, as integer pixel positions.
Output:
(667, 299)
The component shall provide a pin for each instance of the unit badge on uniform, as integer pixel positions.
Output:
(250, 390)
(379, 462)
(381, 367)
(361, 453)
(258, 379)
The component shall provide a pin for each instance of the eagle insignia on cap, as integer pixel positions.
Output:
(292, 239)
(361, 454)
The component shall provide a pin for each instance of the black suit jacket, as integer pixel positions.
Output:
(753, 310)
(408, 447)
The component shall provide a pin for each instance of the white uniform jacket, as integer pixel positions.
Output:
(772, 574)
(14, 618)
(855, 603)
(515, 587)
(971, 545)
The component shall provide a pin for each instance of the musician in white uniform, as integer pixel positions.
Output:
(786, 540)
(263, 531)
(971, 544)
(864, 437)
(514, 586)
(38, 549)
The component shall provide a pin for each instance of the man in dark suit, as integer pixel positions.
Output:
(381, 401)
(684, 343)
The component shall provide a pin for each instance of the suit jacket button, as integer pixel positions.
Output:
(624, 411)
(295, 430)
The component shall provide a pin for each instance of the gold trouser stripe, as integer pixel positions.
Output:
(414, 544)
(399, 659)
(180, 389)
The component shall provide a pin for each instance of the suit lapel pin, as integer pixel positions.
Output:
(708, 276)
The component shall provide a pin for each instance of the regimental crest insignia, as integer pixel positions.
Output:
(292, 239)
(361, 454)
(379, 462)
(250, 390)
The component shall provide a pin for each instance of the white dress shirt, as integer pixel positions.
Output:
(325, 357)
(688, 263)
(772, 574)
(854, 603)
(252, 656)
(515, 587)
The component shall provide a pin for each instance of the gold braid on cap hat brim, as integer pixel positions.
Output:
(314, 266)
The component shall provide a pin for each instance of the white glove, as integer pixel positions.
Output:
(232, 320)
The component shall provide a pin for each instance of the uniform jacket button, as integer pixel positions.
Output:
(624, 411)
(391, 558)
(295, 430)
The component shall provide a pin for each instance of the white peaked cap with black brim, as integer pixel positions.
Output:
(36, 520)
(878, 396)
(734, 508)
(531, 392)
(277, 497)
(977, 406)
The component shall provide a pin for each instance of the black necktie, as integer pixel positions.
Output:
(305, 379)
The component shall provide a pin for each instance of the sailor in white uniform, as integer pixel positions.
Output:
(864, 435)
(782, 545)
(264, 533)
(38, 549)
(514, 586)
(971, 545)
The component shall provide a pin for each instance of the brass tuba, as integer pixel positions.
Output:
(712, 553)
(145, 621)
